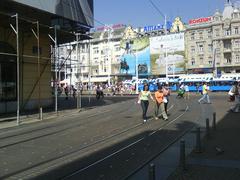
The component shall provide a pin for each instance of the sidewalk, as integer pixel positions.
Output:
(220, 159)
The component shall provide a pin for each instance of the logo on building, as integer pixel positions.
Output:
(200, 20)
(157, 27)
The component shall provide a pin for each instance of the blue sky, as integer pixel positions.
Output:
(139, 13)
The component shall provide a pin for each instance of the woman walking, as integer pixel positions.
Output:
(143, 98)
(159, 103)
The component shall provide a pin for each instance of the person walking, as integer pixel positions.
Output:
(186, 89)
(166, 94)
(143, 98)
(159, 103)
(205, 97)
(234, 97)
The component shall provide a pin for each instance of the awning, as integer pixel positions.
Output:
(96, 79)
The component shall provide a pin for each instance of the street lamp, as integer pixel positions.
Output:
(16, 31)
(215, 63)
(55, 59)
(136, 55)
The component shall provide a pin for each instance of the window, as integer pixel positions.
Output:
(228, 60)
(237, 58)
(210, 47)
(200, 35)
(236, 30)
(192, 36)
(227, 32)
(193, 61)
(201, 60)
(209, 34)
(117, 48)
(210, 62)
(237, 43)
(217, 32)
(95, 60)
(200, 48)
(105, 70)
(95, 50)
(192, 49)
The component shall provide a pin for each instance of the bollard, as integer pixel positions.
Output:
(207, 128)
(40, 114)
(198, 148)
(182, 162)
(151, 172)
(214, 121)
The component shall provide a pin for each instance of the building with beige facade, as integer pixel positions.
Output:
(213, 43)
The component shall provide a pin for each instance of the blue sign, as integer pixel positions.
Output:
(157, 27)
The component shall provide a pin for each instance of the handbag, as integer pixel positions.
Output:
(165, 100)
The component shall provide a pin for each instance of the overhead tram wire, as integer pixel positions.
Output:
(155, 6)
(164, 16)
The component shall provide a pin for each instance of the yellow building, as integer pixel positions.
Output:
(35, 57)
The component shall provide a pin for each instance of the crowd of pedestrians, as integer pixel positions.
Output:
(160, 98)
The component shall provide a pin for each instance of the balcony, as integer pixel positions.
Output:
(227, 50)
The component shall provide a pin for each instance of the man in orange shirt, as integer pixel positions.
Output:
(159, 103)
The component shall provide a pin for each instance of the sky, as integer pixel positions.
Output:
(140, 13)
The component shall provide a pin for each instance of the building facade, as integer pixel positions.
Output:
(25, 30)
(111, 52)
(213, 43)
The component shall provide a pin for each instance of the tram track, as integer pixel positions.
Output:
(81, 148)
(53, 129)
(138, 141)
(107, 138)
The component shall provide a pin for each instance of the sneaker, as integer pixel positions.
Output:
(165, 119)
(156, 118)
(144, 121)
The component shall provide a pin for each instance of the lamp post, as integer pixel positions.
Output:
(16, 31)
(55, 59)
(166, 63)
(79, 95)
(215, 63)
(136, 56)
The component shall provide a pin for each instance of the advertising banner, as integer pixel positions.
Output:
(167, 54)
(137, 53)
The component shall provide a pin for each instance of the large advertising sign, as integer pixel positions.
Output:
(167, 54)
(77, 10)
(137, 53)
